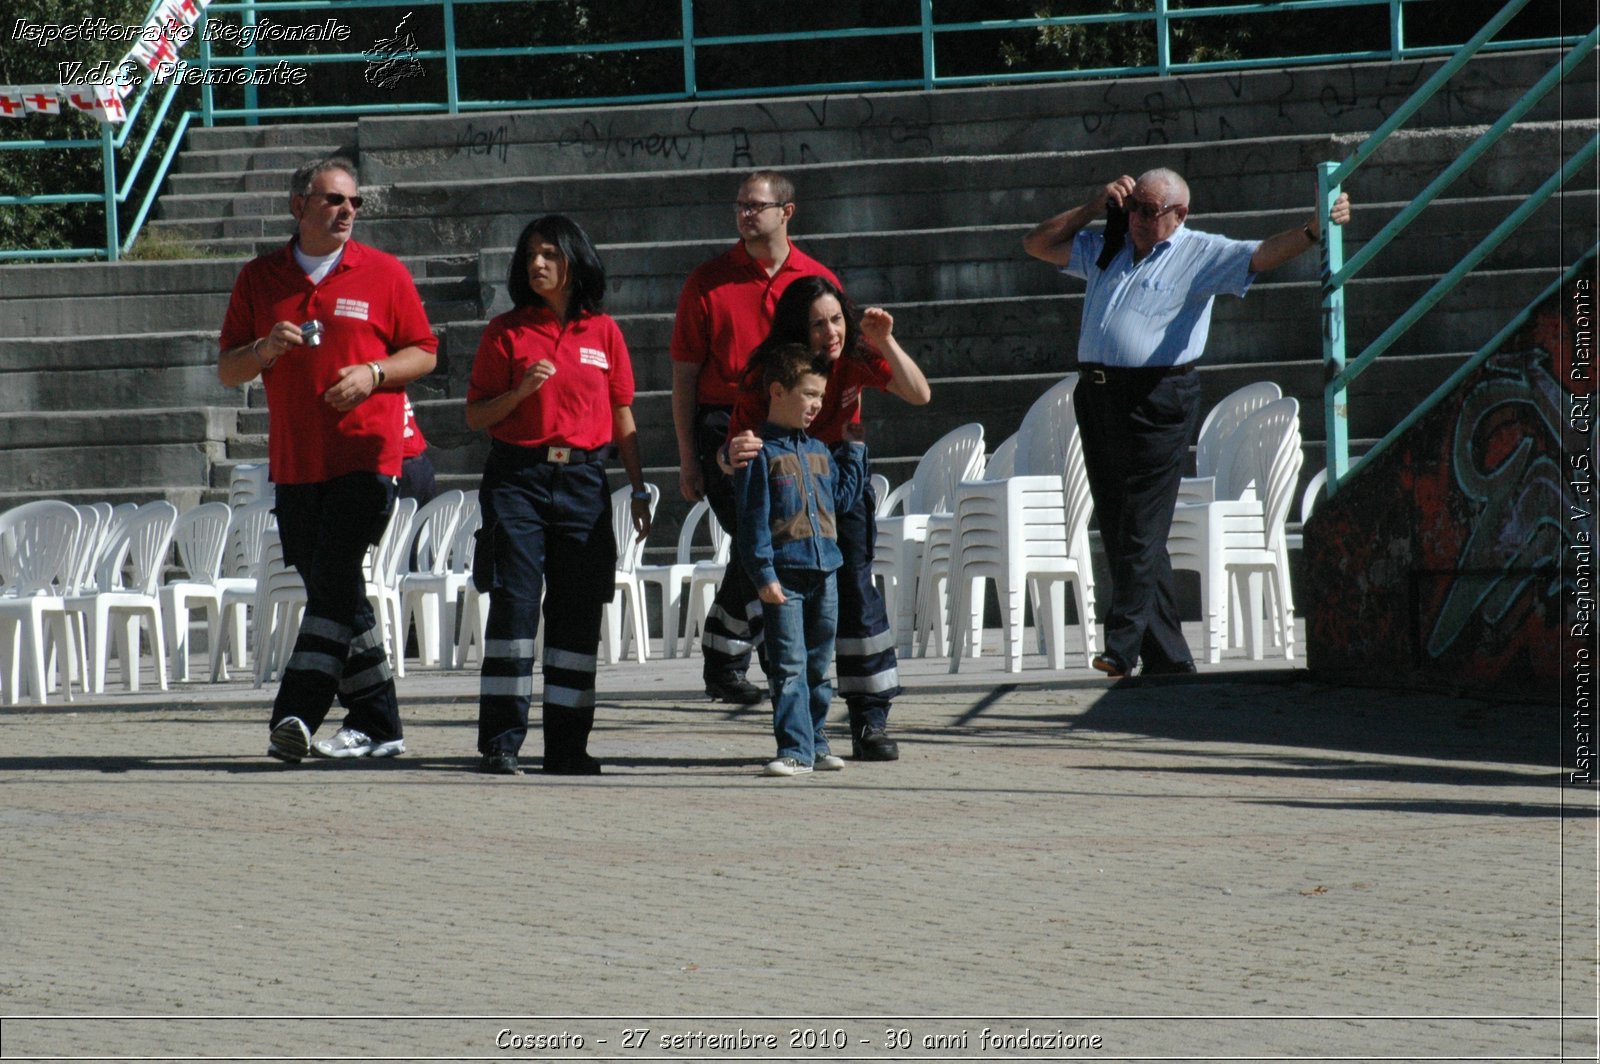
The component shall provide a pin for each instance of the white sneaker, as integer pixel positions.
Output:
(352, 742)
(786, 766)
(289, 740)
(828, 763)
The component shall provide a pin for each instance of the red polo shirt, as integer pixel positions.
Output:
(573, 407)
(841, 403)
(369, 308)
(725, 311)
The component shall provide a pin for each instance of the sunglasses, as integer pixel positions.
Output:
(337, 199)
(1148, 211)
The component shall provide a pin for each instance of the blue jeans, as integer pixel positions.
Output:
(799, 638)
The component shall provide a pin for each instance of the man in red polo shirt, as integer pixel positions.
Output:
(336, 408)
(724, 311)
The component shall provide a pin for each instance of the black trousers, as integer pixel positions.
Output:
(1136, 427)
(546, 534)
(733, 627)
(326, 529)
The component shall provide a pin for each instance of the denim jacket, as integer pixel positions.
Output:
(787, 498)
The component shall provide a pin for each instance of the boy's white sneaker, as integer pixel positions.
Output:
(786, 766)
(828, 763)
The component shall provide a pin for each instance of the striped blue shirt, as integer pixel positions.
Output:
(1156, 312)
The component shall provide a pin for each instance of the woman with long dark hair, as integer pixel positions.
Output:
(553, 385)
(863, 353)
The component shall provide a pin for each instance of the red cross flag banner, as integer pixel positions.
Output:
(11, 105)
(42, 99)
(157, 52)
(99, 101)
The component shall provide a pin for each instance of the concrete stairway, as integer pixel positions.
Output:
(917, 200)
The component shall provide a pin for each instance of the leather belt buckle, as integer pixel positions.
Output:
(558, 455)
(1098, 376)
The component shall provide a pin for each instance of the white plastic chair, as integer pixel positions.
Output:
(675, 577)
(1316, 488)
(704, 580)
(423, 587)
(1029, 533)
(1261, 553)
(37, 545)
(624, 614)
(280, 600)
(141, 543)
(933, 581)
(1201, 531)
(955, 457)
(1213, 448)
(248, 483)
(383, 581)
(199, 539)
(241, 563)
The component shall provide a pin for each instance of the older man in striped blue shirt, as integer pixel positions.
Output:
(1146, 317)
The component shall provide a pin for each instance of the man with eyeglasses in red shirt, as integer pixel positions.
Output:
(724, 312)
(1146, 318)
(336, 330)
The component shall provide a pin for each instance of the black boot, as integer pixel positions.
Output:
(869, 736)
(566, 738)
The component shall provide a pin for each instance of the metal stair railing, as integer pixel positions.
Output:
(1337, 273)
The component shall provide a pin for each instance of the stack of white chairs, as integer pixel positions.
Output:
(430, 590)
(383, 581)
(198, 539)
(955, 457)
(933, 581)
(1224, 476)
(38, 541)
(677, 576)
(1241, 532)
(1029, 533)
(127, 588)
(704, 579)
(426, 558)
(241, 564)
(248, 483)
(280, 598)
(624, 620)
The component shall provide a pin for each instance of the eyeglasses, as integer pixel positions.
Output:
(754, 206)
(1148, 211)
(337, 199)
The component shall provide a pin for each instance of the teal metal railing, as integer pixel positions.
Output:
(1337, 273)
(1165, 21)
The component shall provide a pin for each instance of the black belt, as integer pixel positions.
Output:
(1097, 374)
(555, 454)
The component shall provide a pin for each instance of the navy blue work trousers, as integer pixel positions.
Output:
(546, 532)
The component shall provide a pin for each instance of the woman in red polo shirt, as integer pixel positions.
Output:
(553, 385)
(864, 354)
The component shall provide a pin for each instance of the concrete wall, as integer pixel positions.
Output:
(1463, 555)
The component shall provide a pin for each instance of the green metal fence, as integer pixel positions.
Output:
(1165, 22)
(1337, 273)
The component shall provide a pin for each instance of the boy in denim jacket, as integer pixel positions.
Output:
(786, 539)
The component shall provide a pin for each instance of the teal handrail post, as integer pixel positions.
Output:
(207, 105)
(451, 89)
(251, 97)
(1336, 400)
(1163, 39)
(1397, 29)
(928, 72)
(689, 88)
(108, 172)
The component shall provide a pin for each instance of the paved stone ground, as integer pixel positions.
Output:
(1241, 864)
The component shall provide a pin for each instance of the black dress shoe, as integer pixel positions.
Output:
(874, 744)
(735, 690)
(499, 765)
(1110, 664)
(1170, 668)
(572, 765)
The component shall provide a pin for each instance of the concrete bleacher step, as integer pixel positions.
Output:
(79, 452)
(1064, 116)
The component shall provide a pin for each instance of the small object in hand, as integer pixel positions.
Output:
(311, 333)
